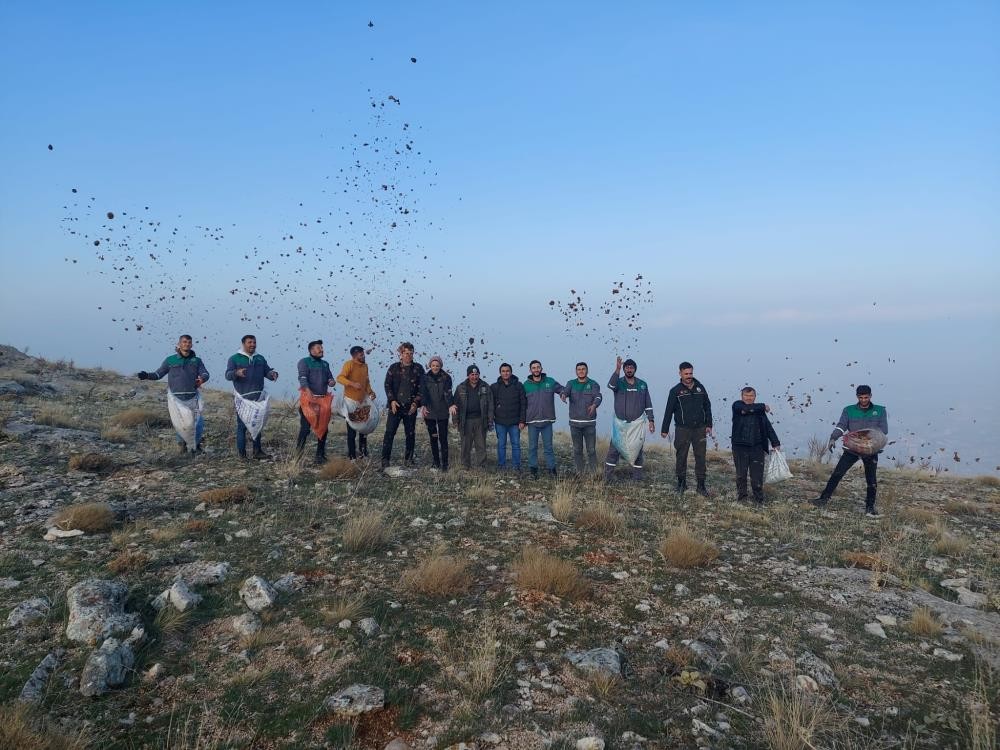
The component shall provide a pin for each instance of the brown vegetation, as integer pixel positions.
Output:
(129, 561)
(439, 576)
(924, 622)
(683, 549)
(538, 570)
(89, 517)
(366, 531)
(96, 463)
(238, 493)
(138, 416)
(339, 468)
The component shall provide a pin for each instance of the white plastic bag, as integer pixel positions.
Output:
(349, 406)
(776, 468)
(628, 437)
(253, 414)
(184, 417)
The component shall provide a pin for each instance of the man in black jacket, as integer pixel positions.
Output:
(473, 413)
(752, 432)
(402, 391)
(689, 407)
(509, 409)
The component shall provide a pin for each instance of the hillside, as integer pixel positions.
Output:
(484, 609)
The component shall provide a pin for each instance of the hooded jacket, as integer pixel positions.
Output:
(509, 402)
(581, 397)
(182, 374)
(540, 400)
(688, 407)
(251, 385)
(631, 401)
(464, 392)
(751, 427)
(436, 395)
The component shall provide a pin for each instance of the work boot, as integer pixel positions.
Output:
(702, 489)
(758, 498)
(552, 471)
(870, 512)
(320, 457)
(742, 498)
(820, 502)
(608, 473)
(682, 484)
(260, 455)
(534, 472)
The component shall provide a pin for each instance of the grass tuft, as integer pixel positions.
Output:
(439, 576)
(538, 570)
(600, 517)
(988, 480)
(344, 608)
(865, 560)
(89, 517)
(129, 561)
(238, 493)
(197, 525)
(20, 730)
(55, 416)
(562, 503)
(96, 463)
(339, 468)
(794, 720)
(366, 532)
(918, 515)
(112, 433)
(482, 489)
(138, 416)
(924, 622)
(683, 549)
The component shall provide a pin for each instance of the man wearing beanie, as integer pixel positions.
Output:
(437, 398)
(473, 412)
(632, 402)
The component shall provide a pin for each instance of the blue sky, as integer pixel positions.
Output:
(771, 169)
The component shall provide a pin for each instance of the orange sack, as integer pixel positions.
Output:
(317, 411)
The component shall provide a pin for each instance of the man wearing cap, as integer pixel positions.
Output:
(540, 393)
(689, 407)
(863, 415)
(315, 379)
(354, 377)
(473, 413)
(584, 395)
(632, 402)
(436, 398)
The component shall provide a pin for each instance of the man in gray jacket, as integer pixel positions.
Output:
(540, 393)
(584, 397)
(632, 402)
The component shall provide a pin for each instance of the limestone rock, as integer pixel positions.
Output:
(874, 628)
(590, 743)
(202, 573)
(246, 624)
(604, 660)
(107, 667)
(97, 611)
(182, 597)
(356, 699)
(257, 594)
(34, 689)
(27, 612)
(369, 626)
(290, 583)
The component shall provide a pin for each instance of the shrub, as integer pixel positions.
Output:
(89, 517)
(562, 503)
(129, 561)
(439, 576)
(96, 463)
(538, 570)
(601, 517)
(239, 493)
(683, 549)
(924, 622)
(138, 416)
(339, 468)
(366, 531)
(197, 525)
(865, 560)
(55, 416)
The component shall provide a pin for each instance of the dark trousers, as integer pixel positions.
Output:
(241, 438)
(356, 441)
(847, 460)
(437, 430)
(304, 430)
(584, 435)
(409, 428)
(690, 437)
(473, 441)
(749, 458)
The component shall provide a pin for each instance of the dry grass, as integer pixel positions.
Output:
(129, 561)
(138, 416)
(96, 463)
(538, 570)
(344, 608)
(683, 549)
(562, 503)
(988, 480)
(197, 526)
(919, 515)
(366, 531)
(89, 517)
(486, 661)
(679, 657)
(600, 517)
(924, 622)
(129, 533)
(866, 560)
(482, 489)
(115, 434)
(747, 517)
(21, 731)
(967, 508)
(339, 468)
(169, 621)
(953, 545)
(439, 576)
(55, 416)
(238, 493)
(170, 533)
(603, 684)
(794, 720)
(981, 726)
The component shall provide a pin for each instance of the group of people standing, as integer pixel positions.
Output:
(510, 406)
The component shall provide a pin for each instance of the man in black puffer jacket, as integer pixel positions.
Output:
(752, 432)
(509, 409)
(689, 407)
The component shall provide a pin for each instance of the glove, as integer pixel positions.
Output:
(143, 375)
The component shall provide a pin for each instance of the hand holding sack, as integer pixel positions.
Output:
(253, 414)
(776, 468)
(317, 410)
(184, 417)
(362, 416)
(865, 442)
(628, 437)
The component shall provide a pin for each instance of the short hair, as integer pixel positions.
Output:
(863, 390)
(248, 336)
(406, 345)
(748, 389)
(685, 366)
(356, 349)
(534, 362)
(317, 342)
(185, 336)
(582, 364)
(507, 365)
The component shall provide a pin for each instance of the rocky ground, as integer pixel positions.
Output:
(215, 603)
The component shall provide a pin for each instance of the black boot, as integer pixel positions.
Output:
(534, 472)
(702, 489)
(552, 471)
(821, 501)
(682, 484)
(260, 455)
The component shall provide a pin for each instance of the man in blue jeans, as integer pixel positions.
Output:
(540, 393)
(509, 405)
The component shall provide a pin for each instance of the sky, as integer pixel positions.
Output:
(808, 193)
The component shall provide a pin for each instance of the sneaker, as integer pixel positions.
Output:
(820, 502)
(872, 513)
